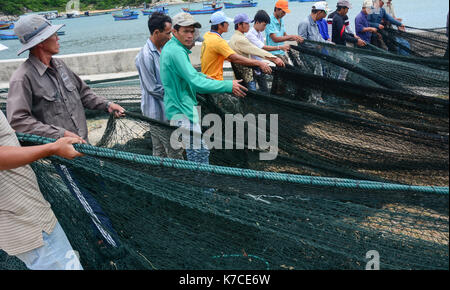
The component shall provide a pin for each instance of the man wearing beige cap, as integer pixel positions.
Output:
(362, 27)
(45, 97)
(182, 82)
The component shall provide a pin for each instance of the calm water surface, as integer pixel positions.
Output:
(98, 33)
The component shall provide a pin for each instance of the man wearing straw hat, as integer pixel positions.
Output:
(45, 97)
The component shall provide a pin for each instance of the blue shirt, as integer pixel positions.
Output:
(380, 14)
(279, 29)
(361, 22)
(323, 28)
(309, 30)
(152, 97)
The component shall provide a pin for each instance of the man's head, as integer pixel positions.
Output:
(242, 22)
(281, 8)
(160, 27)
(220, 22)
(319, 10)
(261, 20)
(36, 32)
(378, 3)
(367, 5)
(343, 6)
(184, 26)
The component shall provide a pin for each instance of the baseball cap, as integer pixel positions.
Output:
(367, 4)
(283, 5)
(344, 3)
(219, 17)
(33, 29)
(185, 19)
(322, 5)
(242, 18)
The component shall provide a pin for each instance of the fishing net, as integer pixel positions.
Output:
(429, 43)
(166, 217)
(362, 165)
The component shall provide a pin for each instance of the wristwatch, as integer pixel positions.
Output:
(108, 104)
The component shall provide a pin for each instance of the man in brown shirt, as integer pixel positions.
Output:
(28, 226)
(45, 97)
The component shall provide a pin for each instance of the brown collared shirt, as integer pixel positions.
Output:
(24, 213)
(46, 101)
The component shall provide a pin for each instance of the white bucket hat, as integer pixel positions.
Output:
(321, 5)
(32, 30)
(367, 3)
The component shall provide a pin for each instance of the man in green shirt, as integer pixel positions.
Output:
(182, 82)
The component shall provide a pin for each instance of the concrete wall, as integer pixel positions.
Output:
(93, 63)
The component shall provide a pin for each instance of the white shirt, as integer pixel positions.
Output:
(256, 38)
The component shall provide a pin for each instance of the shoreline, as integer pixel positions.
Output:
(14, 18)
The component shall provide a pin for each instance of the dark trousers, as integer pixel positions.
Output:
(260, 78)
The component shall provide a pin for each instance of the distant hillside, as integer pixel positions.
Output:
(18, 7)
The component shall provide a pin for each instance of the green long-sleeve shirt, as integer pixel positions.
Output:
(182, 82)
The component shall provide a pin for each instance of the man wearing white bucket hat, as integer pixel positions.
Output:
(45, 97)
(308, 28)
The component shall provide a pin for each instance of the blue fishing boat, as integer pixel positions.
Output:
(205, 10)
(9, 34)
(4, 25)
(126, 15)
(243, 4)
(160, 9)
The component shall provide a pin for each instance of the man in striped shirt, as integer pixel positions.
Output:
(29, 229)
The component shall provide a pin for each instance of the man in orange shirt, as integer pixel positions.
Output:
(215, 50)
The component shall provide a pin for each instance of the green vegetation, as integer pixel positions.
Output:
(18, 7)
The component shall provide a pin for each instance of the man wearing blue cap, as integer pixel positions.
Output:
(215, 50)
(242, 46)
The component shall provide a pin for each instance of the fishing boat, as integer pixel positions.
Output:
(243, 4)
(126, 15)
(160, 9)
(205, 10)
(9, 34)
(6, 25)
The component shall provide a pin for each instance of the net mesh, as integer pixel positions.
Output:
(362, 165)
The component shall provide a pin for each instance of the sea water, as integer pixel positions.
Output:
(99, 33)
